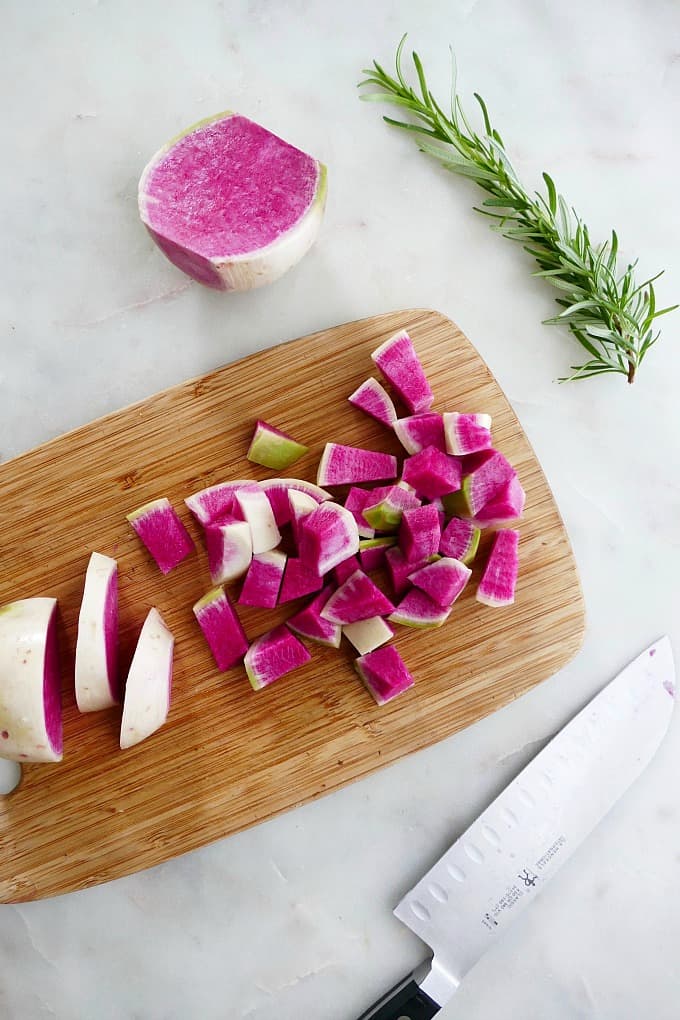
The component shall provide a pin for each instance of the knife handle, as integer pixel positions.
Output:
(406, 1001)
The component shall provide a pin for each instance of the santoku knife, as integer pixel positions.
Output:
(497, 867)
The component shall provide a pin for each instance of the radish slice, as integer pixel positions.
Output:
(460, 540)
(497, 586)
(420, 533)
(162, 532)
(273, 655)
(385, 513)
(263, 580)
(346, 569)
(301, 504)
(467, 433)
(277, 490)
(384, 673)
(96, 672)
(418, 610)
(372, 398)
(298, 580)
(30, 685)
(222, 628)
(399, 363)
(442, 580)
(432, 473)
(491, 473)
(399, 569)
(327, 537)
(149, 682)
(506, 505)
(347, 465)
(421, 430)
(367, 635)
(230, 550)
(372, 552)
(257, 511)
(216, 503)
(357, 599)
(274, 449)
(309, 623)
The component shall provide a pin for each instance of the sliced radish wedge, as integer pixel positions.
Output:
(216, 503)
(367, 635)
(432, 473)
(230, 550)
(327, 537)
(399, 569)
(372, 552)
(355, 501)
(309, 623)
(273, 655)
(357, 599)
(497, 586)
(149, 682)
(346, 569)
(274, 449)
(384, 673)
(442, 580)
(263, 580)
(420, 533)
(397, 360)
(301, 504)
(222, 628)
(347, 465)
(96, 665)
(372, 398)
(162, 532)
(460, 540)
(298, 580)
(277, 490)
(257, 511)
(421, 430)
(30, 684)
(418, 610)
(467, 433)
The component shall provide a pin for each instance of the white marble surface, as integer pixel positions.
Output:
(293, 919)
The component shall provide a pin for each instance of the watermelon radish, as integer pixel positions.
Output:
(367, 635)
(460, 540)
(372, 552)
(346, 569)
(497, 586)
(298, 580)
(442, 580)
(385, 515)
(231, 204)
(257, 511)
(273, 448)
(372, 398)
(506, 505)
(421, 430)
(277, 489)
(397, 360)
(263, 580)
(466, 433)
(420, 533)
(309, 623)
(399, 569)
(347, 465)
(438, 504)
(418, 610)
(327, 537)
(230, 549)
(30, 684)
(273, 655)
(480, 486)
(96, 664)
(357, 599)
(355, 502)
(221, 628)
(214, 504)
(384, 673)
(162, 532)
(300, 505)
(149, 682)
(432, 473)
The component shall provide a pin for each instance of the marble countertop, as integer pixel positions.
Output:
(293, 919)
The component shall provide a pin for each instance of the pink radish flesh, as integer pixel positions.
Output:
(298, 580)
(399, 568)
(276, 490)
(372, 398)
(327, 537)
(230, 550)
(432, 473)
(506, 505)
(385, 513)
(418, 610)
(263, 580)
(467, 433)
(273, 655)
(347, 465)
(355, 502)
(497, 586)
(442, 580)
(221, 628)
(345, 569)
(357, 599)
(384, 673)
(460, 540)
(485, 482)
(420, 533)
(309, 624)
(300, 505)
(52, 689)
(399, 363)
(421, 430)
(163, 533)
(216, 503)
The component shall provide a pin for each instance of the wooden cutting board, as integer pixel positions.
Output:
(229, 757)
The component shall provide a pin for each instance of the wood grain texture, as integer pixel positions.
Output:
(229, 757)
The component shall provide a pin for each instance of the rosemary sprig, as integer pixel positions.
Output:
(609, 314)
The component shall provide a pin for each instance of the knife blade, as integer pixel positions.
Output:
(503, 860)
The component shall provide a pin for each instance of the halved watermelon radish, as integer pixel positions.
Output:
(506, 505)
(357, 599)
(384, 673)
(257, 511)
(372, 551)
(273, 655)
(432, 473)
(222, 628)
(418, 610)
(372, 398)
(273, 448)
(421, 430)
(277, 490)
(149, 682)
(497, 586)
(346, 569)
(355, 502)
(309, 623)
(97, 683)
(214, 504)
(300, 505)
(466, 433)
(385, 514)
(397, 360)
(30, 684)
(442, 580)
(298, 580)
(162, 532)
(460, 540)
(367, 635)
(263, 580)
(327, 537)
(229, 546)
(419, 533)
(347, 465)
(231, 204)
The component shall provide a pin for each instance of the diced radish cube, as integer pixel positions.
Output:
(230, 550)
(274, 449)
(346, 569)
(298, 580)
(357, 599)
(273, 655)
(399, 568)
(327, 537)
(355, 502)
(432, 473)
(506, 505)
(309, 623)
(460, 540)
(277, 489)
(418, 610)
(222, 628)
(257, 511)
(421, 430)
(442, 580)
(497, 586)
(420, 533)
(367, 635)
(149, 682)
(162, 532)
(263, 580)
(384, 673)
(397, 360)
(466, 433)
(480, 485)
(347, 465)
(96, 665)
(372, 398)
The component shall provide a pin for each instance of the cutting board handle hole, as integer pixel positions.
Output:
(10, 776)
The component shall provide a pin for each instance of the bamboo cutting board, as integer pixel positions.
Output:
(229, 757)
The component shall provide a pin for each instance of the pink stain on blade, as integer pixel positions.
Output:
(198, 191)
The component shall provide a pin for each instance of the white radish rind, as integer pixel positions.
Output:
(277, 490)
(30, 685)
(367, 635)
(149, 682)
(257, 511)
(96, 663)
(215, 503)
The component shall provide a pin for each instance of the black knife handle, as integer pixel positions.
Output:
(406, 1001)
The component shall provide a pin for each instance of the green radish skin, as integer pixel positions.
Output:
(460, 540)
(274, 449)
(386, 514)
